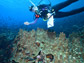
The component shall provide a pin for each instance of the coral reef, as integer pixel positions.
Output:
(6, 38)
(44, 47)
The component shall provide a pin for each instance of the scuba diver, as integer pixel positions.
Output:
(49, 13)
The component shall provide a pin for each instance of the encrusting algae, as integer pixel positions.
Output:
(44, 47)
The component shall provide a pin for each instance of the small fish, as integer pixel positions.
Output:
(37, 43)
(28, 58)
(13, 61)
(50, 56)
(27, 53)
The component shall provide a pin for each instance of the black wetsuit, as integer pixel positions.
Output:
(56, 8)
(43, 10)
(64, 14)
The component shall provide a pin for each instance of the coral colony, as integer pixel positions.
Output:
(44, 47)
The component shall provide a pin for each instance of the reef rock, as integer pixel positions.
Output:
(43, 46)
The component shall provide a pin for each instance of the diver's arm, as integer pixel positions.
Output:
(29, 23)
(34, 21)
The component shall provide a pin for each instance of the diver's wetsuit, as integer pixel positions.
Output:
(44, 8)
(56, 8)
(43, 11)
(59, 14)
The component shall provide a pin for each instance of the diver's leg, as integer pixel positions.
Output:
(65, 14)
(63, 4)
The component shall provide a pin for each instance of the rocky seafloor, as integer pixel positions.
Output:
(42, 46)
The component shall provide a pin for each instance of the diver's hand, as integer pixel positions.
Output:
(26, 23)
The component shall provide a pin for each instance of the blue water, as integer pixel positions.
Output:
(13, 14)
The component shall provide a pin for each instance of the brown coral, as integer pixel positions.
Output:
(32, 42)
